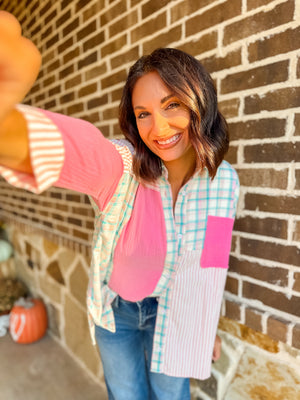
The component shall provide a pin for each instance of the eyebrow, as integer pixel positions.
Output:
(163, 100)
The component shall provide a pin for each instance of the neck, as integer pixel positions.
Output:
(179, 172)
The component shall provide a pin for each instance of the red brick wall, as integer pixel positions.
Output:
(251, 48)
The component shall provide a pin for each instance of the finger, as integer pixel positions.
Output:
(9, 24)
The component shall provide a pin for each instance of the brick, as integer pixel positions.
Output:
(296, 336)
(114, 45)
(114, 79)
(116, 10)
(88, 89)
(116, 94)
(214, 16)
(74, 108)
(251, 4)
(81, 235)
(74, 221)
(215, 63)
(272, 45)
(63, 18)
(111, 113)
(93, 10)
(253, 319)
(97, 101)
(266, 177)
(66, 71)
(45, 9)
(73, 197)
(95, 71)
(87, 30)
(66, 44)
(280, 99)
(257, 129)
(53, 66)
(149, 27)
(88, 60)
(80, 4)
(286, 254)
(200, 45)
(94, 41)
(71, 27)
(297, 125)
(261, 21)
(296, 233)
(274, 275)
(232, 285)
(125, 57)
(230, 108)
(276, 300)
(73, 82)
(231, 155)
(53, 41)
(152, 6)
(232, 310)
(162, 40)
(272, 152)
(296, 280)
(255, 77)
(122, 24)
(67, 98)
(277, 328)
(298, 68)
(184, 8)
(262, 226)
(50, 104)
(46, 33)
(55, 90)
(71, 55)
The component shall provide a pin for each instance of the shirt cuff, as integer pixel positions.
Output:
(46, 148)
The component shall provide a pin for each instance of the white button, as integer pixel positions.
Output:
(179, 236)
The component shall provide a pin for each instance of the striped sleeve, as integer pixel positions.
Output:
(69, 153)
(46, 153)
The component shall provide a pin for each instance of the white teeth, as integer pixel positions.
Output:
(168, 141)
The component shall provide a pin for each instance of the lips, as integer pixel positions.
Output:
(170, 141)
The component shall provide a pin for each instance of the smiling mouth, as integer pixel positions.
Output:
(169, 141)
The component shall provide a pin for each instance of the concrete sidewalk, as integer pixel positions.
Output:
(43, 371)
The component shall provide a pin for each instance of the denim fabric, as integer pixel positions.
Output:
(126, 356)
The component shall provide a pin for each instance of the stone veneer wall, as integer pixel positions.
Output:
(251, 47)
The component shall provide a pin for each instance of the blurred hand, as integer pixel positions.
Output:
(217, 348)
(20, 62)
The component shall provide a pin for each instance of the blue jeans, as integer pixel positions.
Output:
(126, 356)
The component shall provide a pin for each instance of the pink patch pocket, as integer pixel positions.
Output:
(217, 242)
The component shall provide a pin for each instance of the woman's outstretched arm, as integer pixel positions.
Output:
(39, 148)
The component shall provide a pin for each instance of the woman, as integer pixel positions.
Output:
(164, 201)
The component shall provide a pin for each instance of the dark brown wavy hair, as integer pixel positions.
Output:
(191, 83)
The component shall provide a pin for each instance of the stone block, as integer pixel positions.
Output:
(78, 283)
(248, 335)
(261, 377)
(50, 288)
(77, 336)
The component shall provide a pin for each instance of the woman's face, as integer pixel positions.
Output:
(162, 120)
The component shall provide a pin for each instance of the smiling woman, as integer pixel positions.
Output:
(185, 85)
(163, 123)
(163, 197)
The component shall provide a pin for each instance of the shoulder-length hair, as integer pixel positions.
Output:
(191, 83)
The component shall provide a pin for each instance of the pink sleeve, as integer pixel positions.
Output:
(92, 165)
(70, 153)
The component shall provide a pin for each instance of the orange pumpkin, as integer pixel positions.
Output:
(28, 321)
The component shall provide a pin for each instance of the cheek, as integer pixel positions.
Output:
(180, 121)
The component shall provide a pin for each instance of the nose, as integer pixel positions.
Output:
(160, 125)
